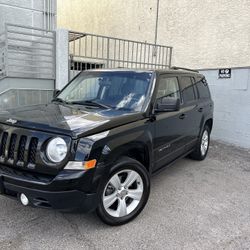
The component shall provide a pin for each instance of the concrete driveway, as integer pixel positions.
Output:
(193, 205)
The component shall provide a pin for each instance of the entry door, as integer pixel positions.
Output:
(170, 129)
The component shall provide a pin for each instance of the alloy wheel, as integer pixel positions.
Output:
(204, 142)
(123, 193)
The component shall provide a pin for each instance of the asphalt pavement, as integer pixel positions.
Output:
(192, 205)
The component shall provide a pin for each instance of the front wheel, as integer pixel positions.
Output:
(125, 193)
(202, 146)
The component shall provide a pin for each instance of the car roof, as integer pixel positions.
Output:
(159, 71)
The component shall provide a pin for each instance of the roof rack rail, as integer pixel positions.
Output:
(176, 68)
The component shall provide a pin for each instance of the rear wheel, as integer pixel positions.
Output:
(125, 193)
(202, 146)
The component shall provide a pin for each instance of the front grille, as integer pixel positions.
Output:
(14, 147)
(23, 149)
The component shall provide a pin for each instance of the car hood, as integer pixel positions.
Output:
(68, 119)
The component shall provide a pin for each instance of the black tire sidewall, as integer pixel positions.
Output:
(125, 163)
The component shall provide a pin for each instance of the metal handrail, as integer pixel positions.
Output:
(116, 38)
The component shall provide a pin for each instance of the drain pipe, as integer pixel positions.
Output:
(156, 22)
(156, 27)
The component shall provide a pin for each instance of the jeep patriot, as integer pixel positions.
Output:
(95, 146)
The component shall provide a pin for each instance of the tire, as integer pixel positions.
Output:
(125, 193)
(202, 146)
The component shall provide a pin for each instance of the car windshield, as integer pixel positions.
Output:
(116, 90)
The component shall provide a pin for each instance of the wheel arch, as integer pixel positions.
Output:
(209, 122)
(139, 151)
(206, 121)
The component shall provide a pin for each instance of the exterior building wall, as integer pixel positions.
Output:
(204, 34)
(28, 12)
(23, 88)
(210, 34)
(131, 19)
(232, 106)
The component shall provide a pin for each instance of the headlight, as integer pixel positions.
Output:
(56, 150)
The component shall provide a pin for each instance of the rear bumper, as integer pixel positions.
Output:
(63, 192)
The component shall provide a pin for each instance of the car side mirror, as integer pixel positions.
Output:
(167, 104)
(56, 92)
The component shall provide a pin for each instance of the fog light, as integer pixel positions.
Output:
(24, 199)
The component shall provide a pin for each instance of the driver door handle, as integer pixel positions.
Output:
(200, 109)
(182, 116)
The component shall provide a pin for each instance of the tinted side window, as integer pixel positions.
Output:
(187, 89)
(202, 87)
(168, 87)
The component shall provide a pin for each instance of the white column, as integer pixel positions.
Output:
(62, 58)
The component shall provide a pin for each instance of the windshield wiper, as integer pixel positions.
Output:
(123, 108)
(91, 103)
(57, 99)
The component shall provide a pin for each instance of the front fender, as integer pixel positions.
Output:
(134, 136)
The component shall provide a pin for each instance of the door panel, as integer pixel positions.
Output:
(169, 140)
(192, 125)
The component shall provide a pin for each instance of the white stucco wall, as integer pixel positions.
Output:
(232, 106)
(204, 34)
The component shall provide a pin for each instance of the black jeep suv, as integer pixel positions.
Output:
(95, 146)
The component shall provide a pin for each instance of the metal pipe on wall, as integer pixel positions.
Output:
(156, 21)
(48, 10)
(44, 14)
(50, 14)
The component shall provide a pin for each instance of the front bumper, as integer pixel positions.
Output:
(69, 190)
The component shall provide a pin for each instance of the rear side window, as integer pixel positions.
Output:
(202, 87)
(187, 89)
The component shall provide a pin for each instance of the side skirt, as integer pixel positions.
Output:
(171, 163)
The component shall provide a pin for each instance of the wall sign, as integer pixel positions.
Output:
(224, 73)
